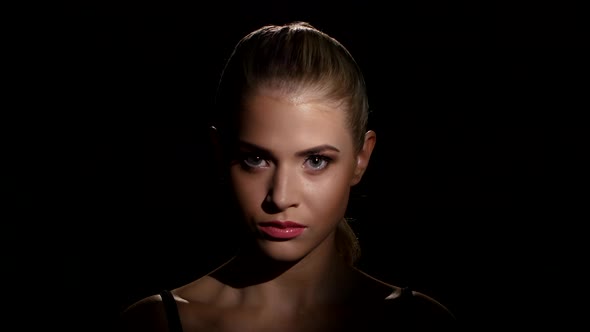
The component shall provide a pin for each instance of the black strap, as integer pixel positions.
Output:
(171, 311)
(407, 293)
(407, 312)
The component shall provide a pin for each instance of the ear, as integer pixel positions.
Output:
(363, 157)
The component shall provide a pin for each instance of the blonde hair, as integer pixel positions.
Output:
(294, 57)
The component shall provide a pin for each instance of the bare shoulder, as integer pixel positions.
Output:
(430, 306)
(147, 314)
(193, 305)
(402, 308)
(418, 310)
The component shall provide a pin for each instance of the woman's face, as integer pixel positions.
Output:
(295, 162)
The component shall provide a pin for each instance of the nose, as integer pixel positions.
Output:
(283, 191)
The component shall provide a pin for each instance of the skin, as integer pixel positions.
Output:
(290, 183)
(301, 284)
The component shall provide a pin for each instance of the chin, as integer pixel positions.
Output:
(285, 251)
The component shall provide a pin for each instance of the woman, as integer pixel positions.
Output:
(291, 135)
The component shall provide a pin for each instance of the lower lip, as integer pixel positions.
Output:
(282, 233)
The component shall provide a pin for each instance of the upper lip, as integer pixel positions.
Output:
(280, 224)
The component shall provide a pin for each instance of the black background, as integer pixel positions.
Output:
(461, 199)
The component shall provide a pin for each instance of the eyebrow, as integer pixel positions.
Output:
(303, 153)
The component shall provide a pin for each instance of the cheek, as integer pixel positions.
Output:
(249, 190)
(329, 197)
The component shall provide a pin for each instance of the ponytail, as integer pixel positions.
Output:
(347, 242)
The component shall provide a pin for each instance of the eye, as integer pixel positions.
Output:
(253, 161)
(317, 161)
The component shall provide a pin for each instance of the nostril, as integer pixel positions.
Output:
(268, 198)
(269, 205)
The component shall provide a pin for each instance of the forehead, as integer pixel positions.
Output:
(301, 120)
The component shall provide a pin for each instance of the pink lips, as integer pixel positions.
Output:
(281, 229)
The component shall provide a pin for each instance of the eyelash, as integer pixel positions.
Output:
(246, 164)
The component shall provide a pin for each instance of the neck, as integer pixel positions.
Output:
(317, 278)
